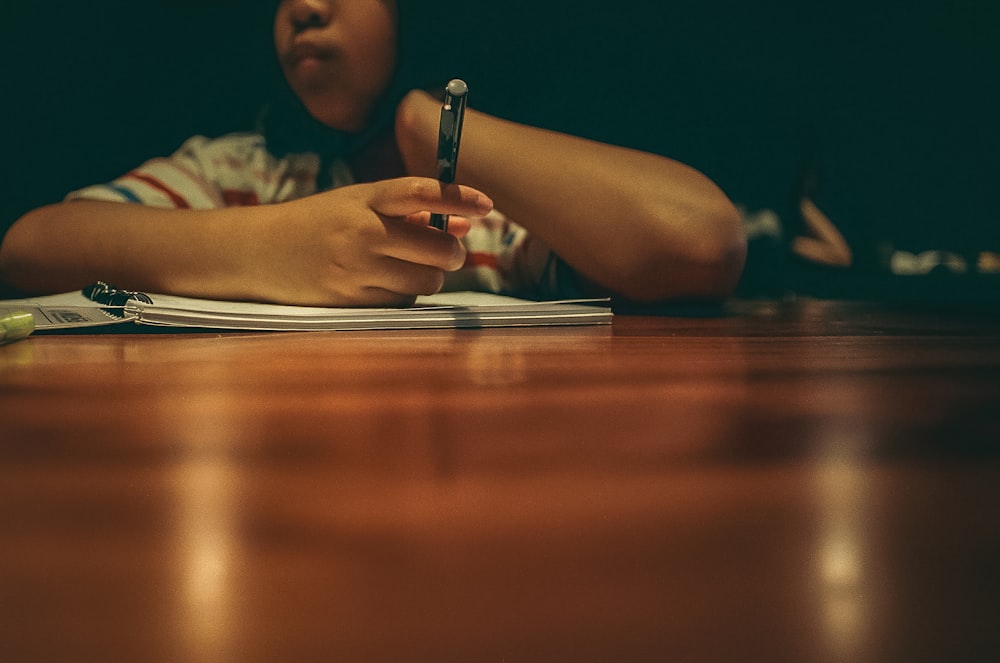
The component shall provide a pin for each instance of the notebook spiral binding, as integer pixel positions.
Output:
(113, 298)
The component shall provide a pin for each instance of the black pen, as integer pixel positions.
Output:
(449, 136)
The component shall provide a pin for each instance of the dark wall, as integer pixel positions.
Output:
(95, 88)
(892, 107)
(895, 106)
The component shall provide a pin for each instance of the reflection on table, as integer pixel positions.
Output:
(774, 481)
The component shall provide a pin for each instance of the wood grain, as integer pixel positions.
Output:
(775, 481)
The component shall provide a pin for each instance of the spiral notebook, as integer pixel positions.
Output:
(101, 304)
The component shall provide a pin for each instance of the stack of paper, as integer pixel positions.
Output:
(445, 310)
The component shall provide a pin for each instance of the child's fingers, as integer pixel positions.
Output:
(458, 226)
(405, 277)
(409, 195)
(413, 243)
(378, 296)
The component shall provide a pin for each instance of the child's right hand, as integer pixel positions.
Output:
(366, 244)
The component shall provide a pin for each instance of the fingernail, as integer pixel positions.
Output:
(484, 204)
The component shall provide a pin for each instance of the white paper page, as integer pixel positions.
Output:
(64, 311)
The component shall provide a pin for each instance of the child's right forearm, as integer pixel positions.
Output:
(66, 246)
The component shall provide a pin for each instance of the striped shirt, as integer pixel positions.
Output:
(237, 170)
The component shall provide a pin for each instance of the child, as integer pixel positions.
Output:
(237, 218)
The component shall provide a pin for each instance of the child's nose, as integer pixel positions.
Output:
(311, 13)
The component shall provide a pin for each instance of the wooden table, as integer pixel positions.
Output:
(798, 481)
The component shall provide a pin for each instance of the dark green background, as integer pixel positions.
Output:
(894, 108)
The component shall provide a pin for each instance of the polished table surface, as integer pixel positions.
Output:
(777, 481)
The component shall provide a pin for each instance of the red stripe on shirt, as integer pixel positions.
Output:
(237, 198)
(482, 259)
(175, 198)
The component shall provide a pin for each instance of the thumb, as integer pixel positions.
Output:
(459, 226)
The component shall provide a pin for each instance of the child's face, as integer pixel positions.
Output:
(338, 56)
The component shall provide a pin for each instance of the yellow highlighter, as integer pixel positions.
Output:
(15, 325)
